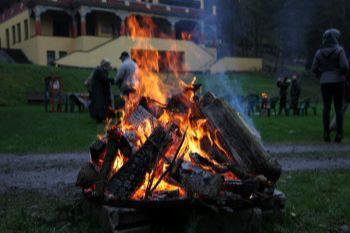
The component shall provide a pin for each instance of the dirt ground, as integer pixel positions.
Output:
(55, 173)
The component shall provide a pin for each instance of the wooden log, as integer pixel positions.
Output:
(245, 148)
(198, 159)
(96, 150)
(87, 176)
(112, 150)
(128, 179)
(139, 116)
(197, 182)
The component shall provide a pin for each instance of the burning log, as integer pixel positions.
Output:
(198, 182)
(197, 158)
(130, 176)
(139, 116)
(238, 138)
(112, 149)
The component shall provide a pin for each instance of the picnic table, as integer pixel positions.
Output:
(76, 99)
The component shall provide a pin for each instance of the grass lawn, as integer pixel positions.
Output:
(32, 212)
(29, 129)
(17, 79)
(317, 202)
(301, 130)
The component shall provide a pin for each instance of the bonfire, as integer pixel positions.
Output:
(172, 143)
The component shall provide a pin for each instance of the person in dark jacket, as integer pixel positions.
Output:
(283, 85)
(100, 91)
(330, 66)
(294, 95)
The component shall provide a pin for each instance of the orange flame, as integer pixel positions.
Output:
(152, 87)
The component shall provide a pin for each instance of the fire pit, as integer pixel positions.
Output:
(174, 151)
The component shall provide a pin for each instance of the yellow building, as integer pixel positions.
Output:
(81, 33)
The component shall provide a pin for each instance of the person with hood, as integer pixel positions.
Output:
(294, 95)
(100, 91)
(283, 85)
(330, 66)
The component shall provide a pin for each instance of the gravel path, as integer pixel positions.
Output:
(285, 148)
(56, 173)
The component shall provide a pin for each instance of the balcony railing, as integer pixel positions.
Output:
(183, 3)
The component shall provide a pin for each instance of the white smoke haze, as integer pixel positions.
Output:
(230, 89)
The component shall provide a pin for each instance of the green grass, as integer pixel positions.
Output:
(254, 83)
(18, 79)
(29, 129)
(312, 155)
(32, 212)
(318, 200)
(301, 130)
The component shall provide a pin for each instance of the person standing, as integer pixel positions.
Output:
(283, 86)
(330, 66)
(127, 81)
(294, 95)
(346, 104)
(100, 91)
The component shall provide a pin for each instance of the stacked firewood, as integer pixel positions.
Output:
(242, 154)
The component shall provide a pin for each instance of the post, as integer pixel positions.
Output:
(123, 16)
(74, 27)
(37, 12)
(173, 22)
(83, 11)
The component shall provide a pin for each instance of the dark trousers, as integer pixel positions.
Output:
(333, 92)
(283, 105)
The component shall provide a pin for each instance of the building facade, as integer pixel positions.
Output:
(80, 33)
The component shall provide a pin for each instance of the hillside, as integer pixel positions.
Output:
(18, 79)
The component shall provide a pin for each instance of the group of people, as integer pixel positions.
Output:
(99, 86)
(331, 66)
(283, 84)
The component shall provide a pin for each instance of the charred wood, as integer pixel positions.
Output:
(96, 150)
(87, 176)
(128, 179)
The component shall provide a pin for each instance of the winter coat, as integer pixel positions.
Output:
(283, 86)
(126, 76)
(100, 93)
(330, 63)
(294, 93)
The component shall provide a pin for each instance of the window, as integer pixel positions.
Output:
(7, 38)
(62, 54)
(50, 55)
(13, 34)
(19, 32)
(26, 29)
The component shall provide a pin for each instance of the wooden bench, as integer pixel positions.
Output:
(35, 97)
